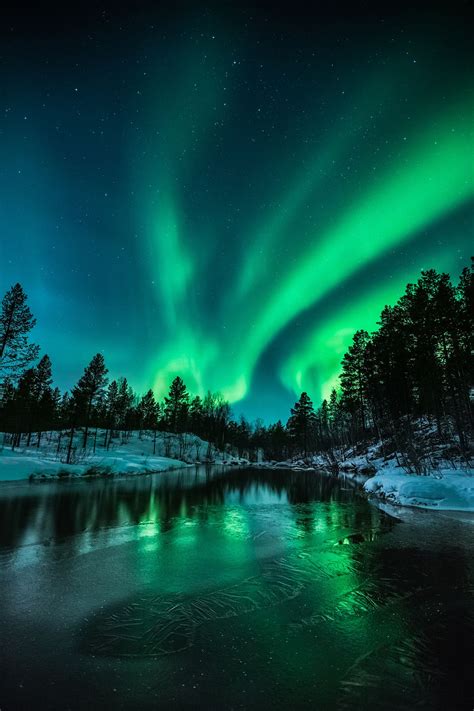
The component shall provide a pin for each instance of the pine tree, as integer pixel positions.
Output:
(322, 418)
(353, 382)
(176, 406)
(302, 422)
(196, 414)
(125, 399)
(421, 316)
(148, 411)
(87, 393)
(24, 406)
(16, 322)
(44, 405)
(110, 412)
(7, 406)
(222, 414)
(334, 414)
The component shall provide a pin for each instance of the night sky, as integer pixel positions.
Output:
(228, 193)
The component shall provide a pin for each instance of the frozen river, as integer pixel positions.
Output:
(232, 589)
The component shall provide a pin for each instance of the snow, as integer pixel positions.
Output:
(444, 490)
(20, 465)
(131, 455)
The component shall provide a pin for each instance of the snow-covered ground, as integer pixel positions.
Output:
(21, 465)
(444, 489)
(132, 455)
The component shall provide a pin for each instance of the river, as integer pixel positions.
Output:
(231, 589)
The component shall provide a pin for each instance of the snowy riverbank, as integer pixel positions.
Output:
(138, 453)
(443, 489)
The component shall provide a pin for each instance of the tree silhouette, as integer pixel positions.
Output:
(302, 422)
(16, 322)
(176, 406)
(86, 394)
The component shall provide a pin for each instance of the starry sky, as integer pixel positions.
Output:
(228, 193)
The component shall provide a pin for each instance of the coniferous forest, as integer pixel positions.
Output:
(417, 366)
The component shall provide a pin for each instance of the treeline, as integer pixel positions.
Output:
(30, 405)
(417, 364)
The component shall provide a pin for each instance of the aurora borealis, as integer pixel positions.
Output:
(229, 194)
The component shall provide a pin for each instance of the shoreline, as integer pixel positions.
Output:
(136, 453)
(442, 489)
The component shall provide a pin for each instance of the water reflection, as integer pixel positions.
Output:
(48, 511)
(231, 588)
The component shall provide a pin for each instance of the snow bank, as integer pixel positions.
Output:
(135, 454)
(444, 490)
(21, 465)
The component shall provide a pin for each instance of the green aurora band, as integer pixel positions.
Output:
(227, 193)
(430, 177)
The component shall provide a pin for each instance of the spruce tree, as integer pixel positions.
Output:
(148, 410)
(87, 393)
(16, 322)
(301, 423)
(44, 405)
(177, 406)
(110, 412)
(7, 406)
(353, 382)
(222, 413)
(125, 399)
(196, 414)
(24, 406)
